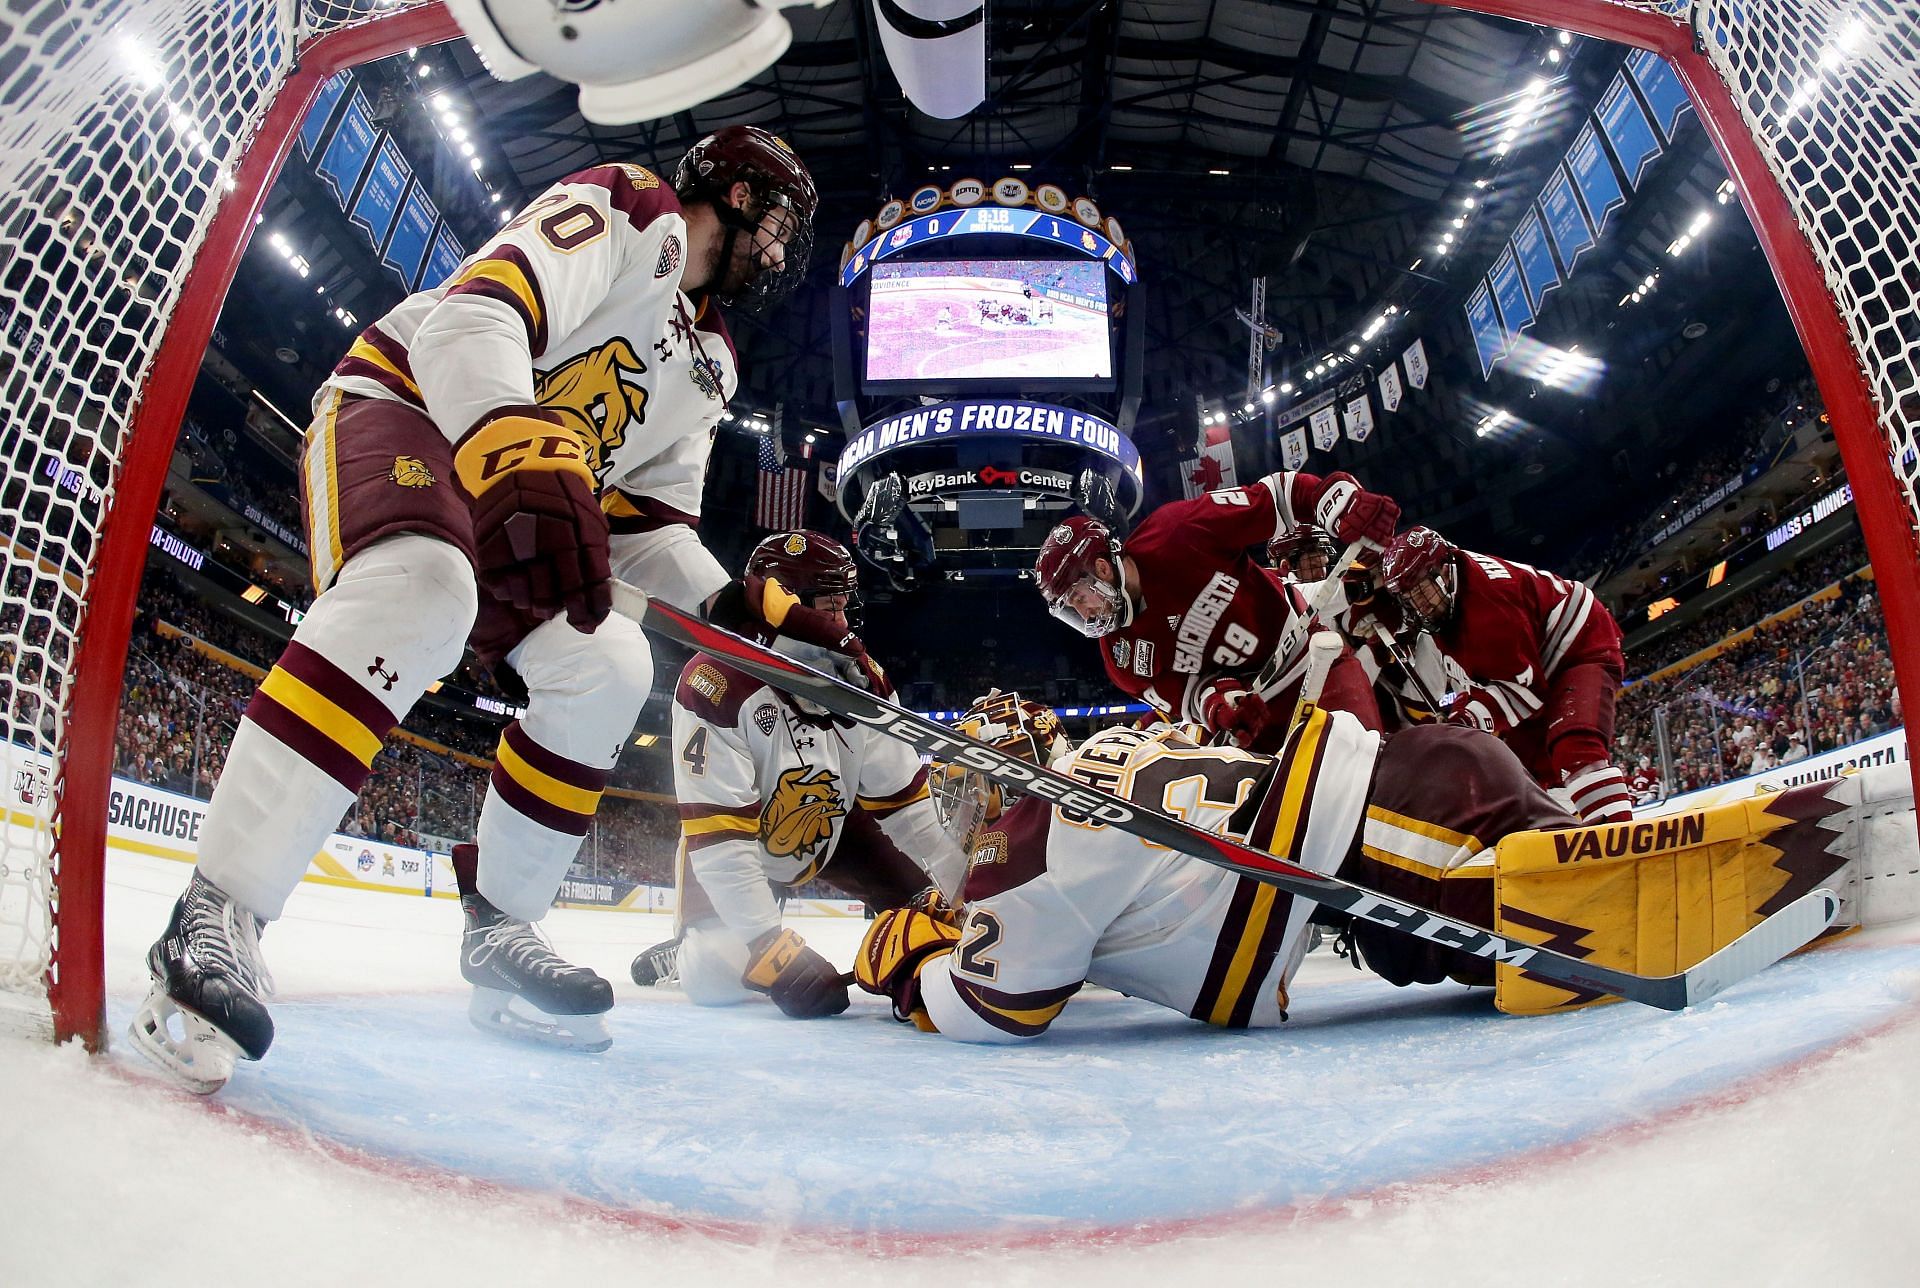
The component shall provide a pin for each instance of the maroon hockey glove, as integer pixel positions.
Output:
(781, 609)
(1230, 708)
(540, 537)
(860, 668)
(802, 983)
(1352, 513)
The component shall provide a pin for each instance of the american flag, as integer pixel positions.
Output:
(780, 500)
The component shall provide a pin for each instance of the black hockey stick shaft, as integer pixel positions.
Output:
(1785, 931)
(1405, 659)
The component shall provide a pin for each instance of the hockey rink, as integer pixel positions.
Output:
(1769, 1137)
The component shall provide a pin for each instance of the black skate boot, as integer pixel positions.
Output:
(659, 964)
(207, 974)
(505, 958)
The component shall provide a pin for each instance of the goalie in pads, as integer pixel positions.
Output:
(1436, 815)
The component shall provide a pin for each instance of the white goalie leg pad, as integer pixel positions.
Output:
(712, 960)
(1881, 882)
(585, 693)
(496, 1010)
(192, 1052)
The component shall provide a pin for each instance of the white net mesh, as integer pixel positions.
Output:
(122, 123)
(1828, 89)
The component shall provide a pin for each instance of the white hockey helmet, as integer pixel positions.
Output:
(638, 60)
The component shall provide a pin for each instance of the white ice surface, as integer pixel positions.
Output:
(1772, 1137)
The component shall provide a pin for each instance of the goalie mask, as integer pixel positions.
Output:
(1421, 569)
(1306, 553)
(778, 216)
(965, 798)
(1067, 573)
(637, 61)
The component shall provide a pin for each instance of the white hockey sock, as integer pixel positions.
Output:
(394, 620)
(585, 692)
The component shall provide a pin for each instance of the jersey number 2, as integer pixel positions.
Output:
(982, 935)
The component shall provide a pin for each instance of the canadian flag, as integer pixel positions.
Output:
(1212, 469)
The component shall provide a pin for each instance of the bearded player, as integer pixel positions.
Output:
(773, 794)
(458, 456)
(1190, 624)
(1526, 655)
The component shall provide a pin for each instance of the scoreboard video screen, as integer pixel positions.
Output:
(987, 321)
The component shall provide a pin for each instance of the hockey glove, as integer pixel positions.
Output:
(898, 944)
(781, 609)
(540, 536)
(1351, 513)
(802, 983)
(1229, 707)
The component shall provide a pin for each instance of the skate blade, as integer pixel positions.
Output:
(199, 1057)
(492, 1010)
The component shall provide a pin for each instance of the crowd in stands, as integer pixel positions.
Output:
(1784, 590)
(1685, 483)
(1808, 683)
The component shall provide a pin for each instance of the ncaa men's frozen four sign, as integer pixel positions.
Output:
(997, 418)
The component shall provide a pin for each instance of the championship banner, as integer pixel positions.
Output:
(1293, 449)
(827, 481)
(1360, 419)
(1326, 427)
(1390, 387)
(1416, 359)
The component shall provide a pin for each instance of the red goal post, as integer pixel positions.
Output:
(139, 142)
(1810, 104)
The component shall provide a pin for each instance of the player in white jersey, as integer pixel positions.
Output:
(462, 447)
(774, 794)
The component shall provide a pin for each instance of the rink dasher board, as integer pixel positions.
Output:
(166, 824)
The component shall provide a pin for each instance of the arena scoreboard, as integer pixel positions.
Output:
(987, 366)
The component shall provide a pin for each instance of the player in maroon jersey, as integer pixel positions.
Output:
(1305, 554)
(1190, 624)
(1527, 655)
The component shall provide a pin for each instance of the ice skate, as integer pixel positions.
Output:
(659, 964)
(205, 1009)
(505, 958)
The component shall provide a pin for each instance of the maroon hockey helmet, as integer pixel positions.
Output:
(809, 564)
(778, 179)
(1066, 573)
(1288, 551)
(1415, 559)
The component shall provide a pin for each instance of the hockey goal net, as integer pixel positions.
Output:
(139, 140)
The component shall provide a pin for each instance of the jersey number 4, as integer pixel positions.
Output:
(694, 754)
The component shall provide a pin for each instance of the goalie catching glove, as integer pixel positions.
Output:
(802, 983)
(898, 944)
(539, 535)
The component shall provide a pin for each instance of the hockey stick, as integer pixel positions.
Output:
(1772, 939)
(1405, 659)
(1301, 628)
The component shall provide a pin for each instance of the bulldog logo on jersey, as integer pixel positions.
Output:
(799, 818)
(410, 471)
(599, 396)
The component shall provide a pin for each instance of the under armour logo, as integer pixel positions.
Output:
(379, 668)
(664, 348)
